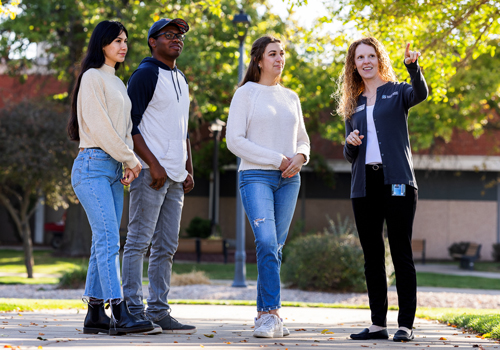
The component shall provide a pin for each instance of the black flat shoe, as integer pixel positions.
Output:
(365, 334)
(403, 336)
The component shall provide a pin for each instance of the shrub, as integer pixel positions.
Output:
(458, 248)
(496, 252)
(199, 228)
(74, 279)
(186, 279)
(328, 261)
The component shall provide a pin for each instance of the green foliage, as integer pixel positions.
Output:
(199, 228)
(35, 150)
(74, 279)
(496, 252)
(328, 261)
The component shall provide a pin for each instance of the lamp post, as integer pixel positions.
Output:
(241, 23)
(216, 127)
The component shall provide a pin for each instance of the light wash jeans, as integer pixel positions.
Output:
(269, 201)
(155, 217)
(96, 181)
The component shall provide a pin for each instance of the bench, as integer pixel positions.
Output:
(201, 246)
(418, 246)
(471, 255)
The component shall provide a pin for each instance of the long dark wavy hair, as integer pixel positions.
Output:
(103, 35)
(256, 54)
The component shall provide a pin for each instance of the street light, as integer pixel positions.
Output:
(216, 127)
(241, 23)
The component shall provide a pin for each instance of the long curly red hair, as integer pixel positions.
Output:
(351, 84)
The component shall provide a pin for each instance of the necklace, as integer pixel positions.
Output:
(370, 97)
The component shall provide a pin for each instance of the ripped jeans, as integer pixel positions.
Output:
(269, 201)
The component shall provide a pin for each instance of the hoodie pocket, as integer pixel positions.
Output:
(175, 158)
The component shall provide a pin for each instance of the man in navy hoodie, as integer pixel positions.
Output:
(160, 111)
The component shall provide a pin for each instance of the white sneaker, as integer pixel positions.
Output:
(258, 321)
(270, 327)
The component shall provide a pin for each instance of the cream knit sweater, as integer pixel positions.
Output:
(104, 120)
(265, 123)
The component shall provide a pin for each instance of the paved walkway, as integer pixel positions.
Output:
(231, 327)
(454, 270)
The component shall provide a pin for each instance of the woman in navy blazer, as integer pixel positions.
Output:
(383, 185)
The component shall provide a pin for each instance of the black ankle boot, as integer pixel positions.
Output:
(123, 322)
(96, 320)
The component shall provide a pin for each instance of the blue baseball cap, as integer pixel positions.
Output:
(162, 23)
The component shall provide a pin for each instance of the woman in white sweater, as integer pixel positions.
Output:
(100, 121)
(265, 128)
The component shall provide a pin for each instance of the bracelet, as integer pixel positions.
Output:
(305, 158)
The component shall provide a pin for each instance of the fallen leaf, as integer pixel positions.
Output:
(22, 332)
(455, 334)
(19, 314)
(7, 346)
(214, 332)
(175, 341)
(300, 330)
(227, 342)
(443, 338)
(40, 347)
(209, 335)
(324, 331)
(244, 341)
(316, 341)
(79, 330)
(41, 333)
(40, 338)
(364, 346)
(201, 346)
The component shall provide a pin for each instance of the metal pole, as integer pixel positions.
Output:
(215, 213)
(240, 255)
(498, 208)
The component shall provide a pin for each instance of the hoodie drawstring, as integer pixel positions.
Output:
(173, 82)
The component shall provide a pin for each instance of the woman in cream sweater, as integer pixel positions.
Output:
(100, 121)
(266, 130)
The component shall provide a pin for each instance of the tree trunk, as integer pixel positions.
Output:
(28, 248)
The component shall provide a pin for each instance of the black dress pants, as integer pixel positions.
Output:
(398, 213)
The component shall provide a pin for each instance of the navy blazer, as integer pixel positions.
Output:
(390, 116)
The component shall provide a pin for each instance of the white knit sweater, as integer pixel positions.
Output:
(265, 123)
(103, 109)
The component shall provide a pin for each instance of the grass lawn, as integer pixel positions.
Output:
(427, 279)
(12, 261)
(483, 321)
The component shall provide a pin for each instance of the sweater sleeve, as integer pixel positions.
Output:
(418, 90)
(350, 151)
(141, 88)
(96, 118)
(303, 143)
(236, 130)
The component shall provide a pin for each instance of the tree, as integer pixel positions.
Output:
(36, 158)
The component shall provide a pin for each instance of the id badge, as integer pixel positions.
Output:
(399, 190)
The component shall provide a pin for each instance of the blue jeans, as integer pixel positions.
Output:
(155, 218)
(96, 181)
(269, 201)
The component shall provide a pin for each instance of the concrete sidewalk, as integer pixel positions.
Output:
(231, 327)
(446, 269)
